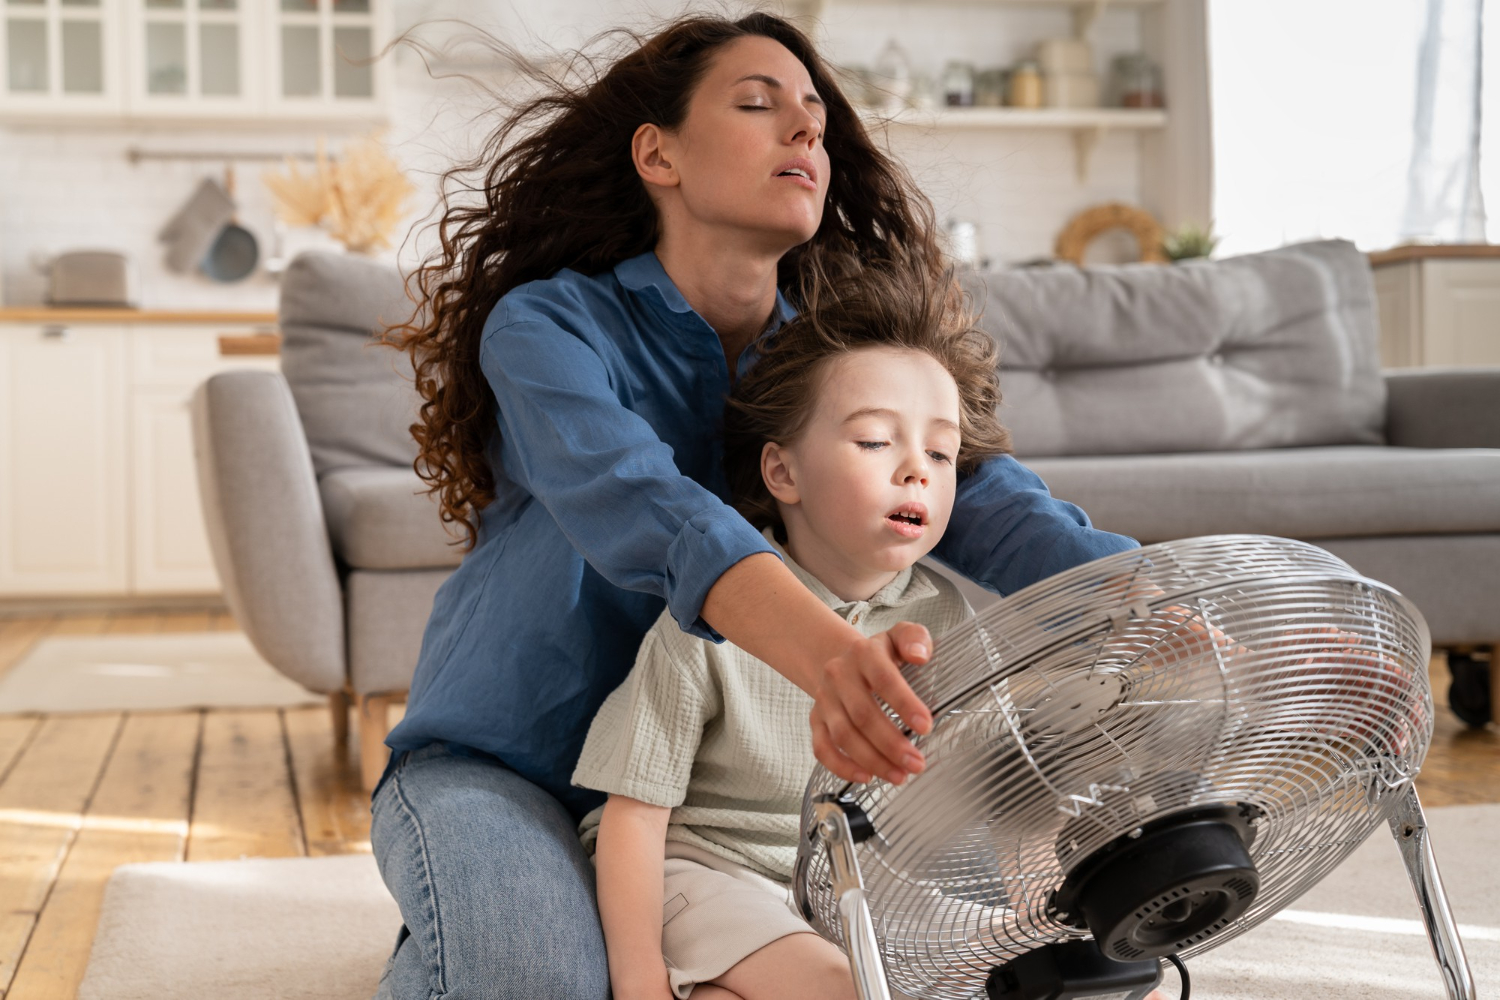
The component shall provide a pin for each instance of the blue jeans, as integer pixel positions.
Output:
(496, 893)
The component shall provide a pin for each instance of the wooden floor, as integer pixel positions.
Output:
(81, 794)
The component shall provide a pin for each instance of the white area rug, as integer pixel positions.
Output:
(292, 929)
(323, 928)
(104, 673)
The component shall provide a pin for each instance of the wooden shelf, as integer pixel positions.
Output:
(1051, 118)
(79, 314)
(1086, 124)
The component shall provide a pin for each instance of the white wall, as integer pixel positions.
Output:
(72, 187)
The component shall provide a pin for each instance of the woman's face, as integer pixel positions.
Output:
(749, 156)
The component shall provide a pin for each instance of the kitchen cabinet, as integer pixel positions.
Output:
(100, 492)
(60, 56)
(62, 460)
(208, 60)
(1438, 305)
(193, 57)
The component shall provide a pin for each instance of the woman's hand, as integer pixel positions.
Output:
(852, 735)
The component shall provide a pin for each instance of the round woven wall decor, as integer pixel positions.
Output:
(1086, 226)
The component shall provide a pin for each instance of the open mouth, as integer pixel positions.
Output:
(910, 519)
(801, 170)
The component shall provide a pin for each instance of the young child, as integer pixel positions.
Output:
(843, 444)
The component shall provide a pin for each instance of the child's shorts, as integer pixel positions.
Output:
(716, 913)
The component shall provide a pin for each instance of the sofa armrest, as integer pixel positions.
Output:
(1443, 407)
(265, 525)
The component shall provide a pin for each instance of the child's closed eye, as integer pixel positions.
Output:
(872, 445)
(938, 456)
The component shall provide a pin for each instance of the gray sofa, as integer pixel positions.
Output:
(1241, 395)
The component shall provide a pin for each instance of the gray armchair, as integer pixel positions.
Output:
(329, 551)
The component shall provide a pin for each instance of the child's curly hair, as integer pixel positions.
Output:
(889, 304)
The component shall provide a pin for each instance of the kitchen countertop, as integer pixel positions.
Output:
(79, 314)
(1429, 251)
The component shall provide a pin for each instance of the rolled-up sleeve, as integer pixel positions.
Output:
(1008, 531)
(605, 475)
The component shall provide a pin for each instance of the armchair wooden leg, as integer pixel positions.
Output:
(374, 724)
(338, 707)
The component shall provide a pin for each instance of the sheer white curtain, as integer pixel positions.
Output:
(1443, 200)
(1314, 105)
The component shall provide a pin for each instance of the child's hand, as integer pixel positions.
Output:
(852, 736)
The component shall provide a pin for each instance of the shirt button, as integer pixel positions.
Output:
(854, 618)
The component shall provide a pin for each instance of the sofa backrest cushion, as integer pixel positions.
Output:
(1265, 350)
(356, 397)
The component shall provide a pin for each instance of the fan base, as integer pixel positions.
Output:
(1071, 970)
(1169, 886)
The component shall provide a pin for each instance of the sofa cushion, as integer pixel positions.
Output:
(1306, 493)
(356, 397)
(1265, 350)
(380, 517)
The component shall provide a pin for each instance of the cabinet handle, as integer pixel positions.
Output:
(55, 333)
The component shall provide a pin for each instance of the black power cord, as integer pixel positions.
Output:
(1182, 974)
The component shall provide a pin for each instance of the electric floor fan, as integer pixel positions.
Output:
(1131, 763)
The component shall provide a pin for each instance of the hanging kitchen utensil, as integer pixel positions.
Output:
(235, 251)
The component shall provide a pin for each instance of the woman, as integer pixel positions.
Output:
(583, 327)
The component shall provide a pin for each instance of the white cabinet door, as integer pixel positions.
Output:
(1461, 312)
(170, 553)
(60, 57)
(194, 57)
(63, 496)
(320, 58)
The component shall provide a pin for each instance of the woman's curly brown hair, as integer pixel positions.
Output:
(558, 189)
(881, 305)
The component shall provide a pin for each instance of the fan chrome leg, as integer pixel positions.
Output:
(1409, 827)
(854, 911)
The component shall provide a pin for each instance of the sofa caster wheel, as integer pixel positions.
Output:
(1469, 693)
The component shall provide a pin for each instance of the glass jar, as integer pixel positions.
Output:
(891, 78)
(1026, 85)
(1135, 82)
(958, 84)
(989, 87)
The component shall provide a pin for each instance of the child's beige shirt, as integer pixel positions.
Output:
(722, 739)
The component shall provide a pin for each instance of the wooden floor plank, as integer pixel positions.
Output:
(1463, 764)
(243, 804)
(138, 813)
(81, 625)
(41, 805)
(133, 623)
(18, 635)
(335, 807)
(186, 621)
(15, 732)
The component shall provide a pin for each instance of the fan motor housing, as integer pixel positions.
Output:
(1165, 887)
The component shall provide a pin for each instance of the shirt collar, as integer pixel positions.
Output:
(908, 586)
(644, 273)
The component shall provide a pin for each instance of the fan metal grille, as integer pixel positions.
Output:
(1213, 671)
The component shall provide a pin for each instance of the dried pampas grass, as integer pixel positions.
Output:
(357, 198)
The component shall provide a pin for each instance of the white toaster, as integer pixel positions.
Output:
(92, 278)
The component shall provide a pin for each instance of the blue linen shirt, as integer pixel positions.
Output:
(611, 502)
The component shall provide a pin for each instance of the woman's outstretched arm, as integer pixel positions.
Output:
(758, 605)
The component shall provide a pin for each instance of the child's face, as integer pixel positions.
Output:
(870, 480)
